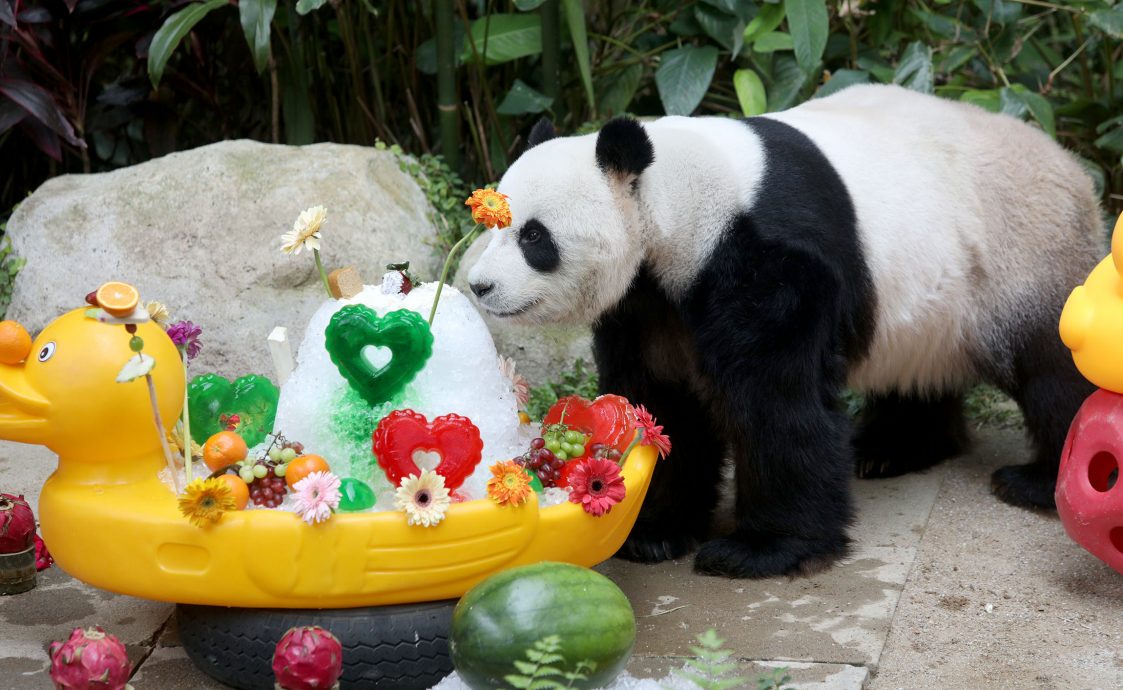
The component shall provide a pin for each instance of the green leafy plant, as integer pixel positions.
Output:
(774, 680)
(986, 406)
(579, 380)
(444, 190)
(468, 78)
(542, 669)
(10, 266)
(712, 667)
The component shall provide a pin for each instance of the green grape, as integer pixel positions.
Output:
(246, 474)
(561, 455)
(274, 454)
(288, 455)
(572, 436)
(578, 451)
(553, 445)
(260, 471)
(279, 470)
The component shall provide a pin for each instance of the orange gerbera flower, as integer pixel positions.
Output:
(490, 208)
(510, 484)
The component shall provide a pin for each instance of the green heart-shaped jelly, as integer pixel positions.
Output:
(212, 400)
(353, 338)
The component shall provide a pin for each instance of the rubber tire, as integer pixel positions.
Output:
(400, 647)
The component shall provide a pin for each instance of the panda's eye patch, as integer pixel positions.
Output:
(538, 246)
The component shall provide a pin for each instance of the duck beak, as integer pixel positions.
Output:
(23, 411)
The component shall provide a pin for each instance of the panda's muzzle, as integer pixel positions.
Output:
(517, 312)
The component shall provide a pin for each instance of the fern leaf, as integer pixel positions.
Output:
(518, 682)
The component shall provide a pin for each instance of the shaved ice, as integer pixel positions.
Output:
(318, 408)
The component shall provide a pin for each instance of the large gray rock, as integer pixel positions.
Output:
(200, 231)
(541, 352)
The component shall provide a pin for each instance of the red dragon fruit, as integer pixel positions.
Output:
(43, 558)
(17, 524)
(308, 658)
(91, 659)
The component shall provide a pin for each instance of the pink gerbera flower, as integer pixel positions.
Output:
(317, 496)
(596, 485)
(651, 434)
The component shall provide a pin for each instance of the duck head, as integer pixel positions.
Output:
(64, 395)
(1092, 321)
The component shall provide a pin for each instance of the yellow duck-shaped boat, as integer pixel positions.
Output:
(1092, 320)
(109, 521)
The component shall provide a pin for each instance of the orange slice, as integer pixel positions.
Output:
(118, 299)
(15, 342)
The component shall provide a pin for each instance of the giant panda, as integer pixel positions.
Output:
(739, 274)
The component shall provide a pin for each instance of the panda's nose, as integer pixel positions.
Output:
(481, 289)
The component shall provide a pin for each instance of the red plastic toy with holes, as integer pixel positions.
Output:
(1089, 495)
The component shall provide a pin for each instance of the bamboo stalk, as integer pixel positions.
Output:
(551, 48)
(187, 455)
(448, 111)
(161, 432)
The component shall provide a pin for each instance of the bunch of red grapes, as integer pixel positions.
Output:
(265, 477)
(549, 452)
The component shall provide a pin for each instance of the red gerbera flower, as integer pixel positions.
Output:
(652, 433)
(596, 484)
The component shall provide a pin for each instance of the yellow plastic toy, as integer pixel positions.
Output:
(1092, 319)
(109, 521)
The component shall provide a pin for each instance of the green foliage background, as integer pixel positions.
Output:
(88, 86)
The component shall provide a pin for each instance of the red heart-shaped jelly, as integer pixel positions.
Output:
(403, 432)
(610, 419)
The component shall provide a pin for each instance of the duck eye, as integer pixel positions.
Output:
(47, 351)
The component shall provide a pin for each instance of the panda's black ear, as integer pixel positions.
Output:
(623, 148)
(543, 130)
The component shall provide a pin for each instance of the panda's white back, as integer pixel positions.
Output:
(958, 210)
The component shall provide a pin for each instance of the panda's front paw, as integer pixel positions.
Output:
(753, 555)
(653, 544)
(1025, 486)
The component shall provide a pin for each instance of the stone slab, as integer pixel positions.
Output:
(1000, 597)
(30, 621)
(838, 616)
(803, 676)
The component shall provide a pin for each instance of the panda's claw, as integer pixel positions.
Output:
(646, 545)
(763, 555)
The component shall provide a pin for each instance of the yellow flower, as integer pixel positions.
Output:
(509, 485)
(424, 498)
(305, 233)
(490, 208)
(205, 500)
(157, 312)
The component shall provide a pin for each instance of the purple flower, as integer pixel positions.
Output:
(185, 335)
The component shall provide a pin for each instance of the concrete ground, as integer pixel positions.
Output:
(947, 588)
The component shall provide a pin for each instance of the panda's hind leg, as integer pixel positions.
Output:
(897, 434)
(1049, 390)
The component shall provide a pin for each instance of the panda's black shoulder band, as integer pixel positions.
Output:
(623, 147)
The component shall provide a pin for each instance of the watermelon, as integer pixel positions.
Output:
(499, 619)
